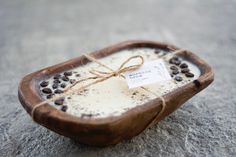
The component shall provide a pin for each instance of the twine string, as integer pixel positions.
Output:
(100, 76)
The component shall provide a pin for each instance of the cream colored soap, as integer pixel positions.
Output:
(112, 97)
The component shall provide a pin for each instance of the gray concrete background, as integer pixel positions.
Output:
(37, 34)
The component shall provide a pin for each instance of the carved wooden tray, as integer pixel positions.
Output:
(107, 131)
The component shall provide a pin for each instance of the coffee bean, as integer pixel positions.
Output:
(44, 84)
(175, 72)
(178, 78)
(55, 85)
(49, 96)
(63, 85)
(47, 91)
(175, 58)
(185, 70)
(86, 115)
(68, 73)
(189, 74)
(64, 108)
(197, 83)
(157, 51)
(177, 62)
(65, 78)
(57, 76)
(171, 61)
(72, 81)
(183, 65)
(173, 67)
(56, 81)
(59, 101)
(58, 91)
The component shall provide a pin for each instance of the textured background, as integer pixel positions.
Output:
(37, 34)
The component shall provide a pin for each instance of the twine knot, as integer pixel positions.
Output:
(114, 73)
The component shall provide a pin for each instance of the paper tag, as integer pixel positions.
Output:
(150, 72)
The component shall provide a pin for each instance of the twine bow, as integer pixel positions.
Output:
(119, 71)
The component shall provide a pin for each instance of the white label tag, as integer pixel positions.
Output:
(150, 72)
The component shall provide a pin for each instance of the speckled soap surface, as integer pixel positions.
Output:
(37, 34)
(113, 97)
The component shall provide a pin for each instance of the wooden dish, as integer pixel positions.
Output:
(111, 130)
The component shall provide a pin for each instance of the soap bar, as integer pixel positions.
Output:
(109, 112)
(112, 97)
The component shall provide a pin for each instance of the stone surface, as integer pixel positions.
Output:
(37, 34)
